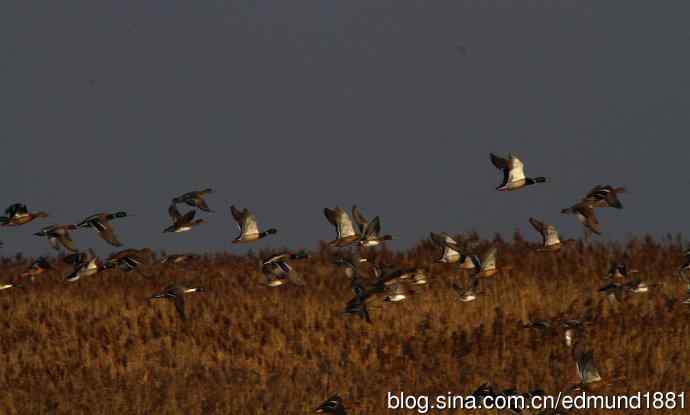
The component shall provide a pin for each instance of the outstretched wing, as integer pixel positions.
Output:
(66, 241)
(188, 217)
(540, 227)
(345, 227)
(585, 214)
(201, 204)
(174, 213)
(552, 237)
(236, 214)
(372, 229)
(499, 162)
(359, 218)
(489, 259)
(107, 233)
(517, 169)
(249, 225)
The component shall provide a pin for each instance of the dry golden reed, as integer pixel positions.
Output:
(99, 346)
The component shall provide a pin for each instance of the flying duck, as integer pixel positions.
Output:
(333, 405)
(451, 251)
(17, 214)
(513, 173)
(371, 234)
(344, 228)
(585, 214)
(616, 291)
(128, 259)
(360, 220)
(487, 263)
(38, 267)
(602, 196)
(277, 271)
(549, 236)
(59, 235)
(85, 264)
(177, 292)
(101, 222)
(182, 223)
(470, 292)
(249, 229)
(195, 199)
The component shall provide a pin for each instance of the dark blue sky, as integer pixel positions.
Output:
(289, 107)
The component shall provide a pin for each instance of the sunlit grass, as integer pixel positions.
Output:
(100, 346)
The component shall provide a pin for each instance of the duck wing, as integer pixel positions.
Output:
(517, 169)
(66, 240)
(187, 217)
(501, 164)
(106, 231)
(249, 225)
(586, 215)
(488, 261)
(540, 227)
(359, 219)
(174, 213)
(345, 228)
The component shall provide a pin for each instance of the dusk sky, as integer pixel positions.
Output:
(287, 107)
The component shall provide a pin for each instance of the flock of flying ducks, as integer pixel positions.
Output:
(391, 283)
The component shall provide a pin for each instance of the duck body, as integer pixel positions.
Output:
(182, 223)
(177, 293)
(513, 173)
(346, 234)
(101, 223)
(59, 235)
(17, 214)
(248, 226)
(194, 199)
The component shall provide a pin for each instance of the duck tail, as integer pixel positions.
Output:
(271, 231)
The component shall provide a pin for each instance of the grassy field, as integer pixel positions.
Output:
(98, 346)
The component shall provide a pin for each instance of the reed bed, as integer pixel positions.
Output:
(99, 346)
